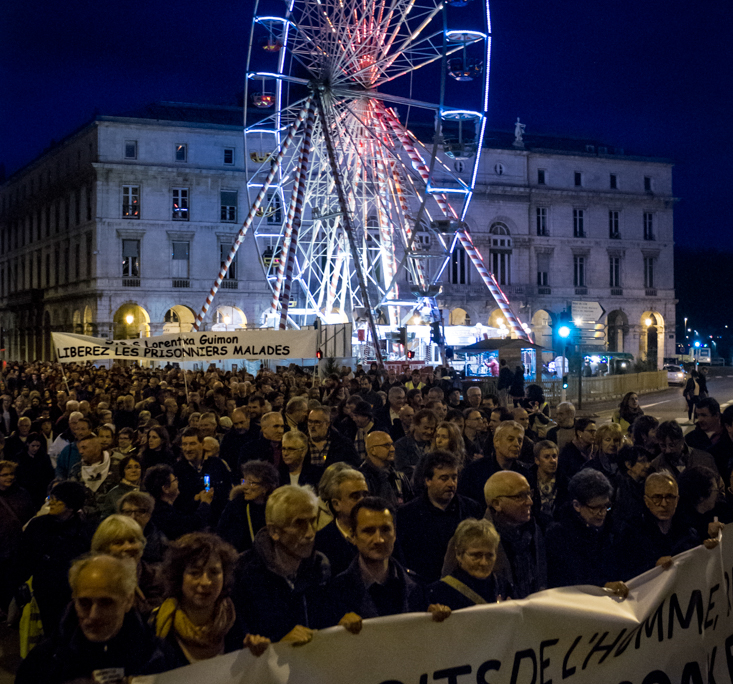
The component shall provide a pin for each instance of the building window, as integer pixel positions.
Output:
(578, 179)
(57, 264)
(47, 282)
(460, 272)
(131, 201)
(181, 153)
(648, 226)
(48, 220)
(224, 250)
(614, 181)
(179, 266)
(228, 155)
(67, 207)
(228, 205)
(89, 203)
(131, 258)
(180, 204)
(613, 225)
(131, 149)
(614, 265)
(501, 253)
(67, 264)
(647, 184)
(77, 262)
(543, 270)
(578, 271)
(649, 272)
(541, 177)
(541, 213)
(578, 223)
(77, 207)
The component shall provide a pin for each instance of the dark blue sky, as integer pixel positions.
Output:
(654, 77)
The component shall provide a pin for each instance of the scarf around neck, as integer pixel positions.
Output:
(199, 642)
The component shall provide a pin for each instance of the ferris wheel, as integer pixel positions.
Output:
(363, 132)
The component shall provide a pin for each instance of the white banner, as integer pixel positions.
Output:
(250, 345)
(674, 628)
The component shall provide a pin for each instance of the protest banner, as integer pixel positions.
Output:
(674, 628)
(250, 345)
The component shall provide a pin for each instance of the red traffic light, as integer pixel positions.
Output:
(319, 354)
(410, 354)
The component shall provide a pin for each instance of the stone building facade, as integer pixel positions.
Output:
(120, 230)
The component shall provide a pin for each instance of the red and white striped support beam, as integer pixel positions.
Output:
(296, 209)
(463, 236)
(253, 212)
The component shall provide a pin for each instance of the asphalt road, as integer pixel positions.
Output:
(669, 404)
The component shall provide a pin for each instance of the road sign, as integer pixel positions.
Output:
(585, 313)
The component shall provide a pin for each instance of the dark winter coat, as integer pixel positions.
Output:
(424, 531)
(349, 594)
(70, 655)
(269, 602)
(578, 553)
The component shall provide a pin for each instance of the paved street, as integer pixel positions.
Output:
(669, 404)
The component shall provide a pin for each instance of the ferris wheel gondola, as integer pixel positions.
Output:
(345, 195)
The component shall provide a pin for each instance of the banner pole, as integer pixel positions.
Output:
(61, 363)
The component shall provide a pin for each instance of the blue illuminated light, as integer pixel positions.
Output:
(564, 331)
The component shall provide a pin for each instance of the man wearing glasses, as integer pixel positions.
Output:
(520, 557)
(327, 446)
(378, 469)
(653, 541)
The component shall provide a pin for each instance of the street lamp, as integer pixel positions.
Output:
(564, 332)
(647, 322)
(129, 319)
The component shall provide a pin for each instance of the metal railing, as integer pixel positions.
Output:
(608, 387)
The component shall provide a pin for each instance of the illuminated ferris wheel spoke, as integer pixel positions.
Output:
(338, 229)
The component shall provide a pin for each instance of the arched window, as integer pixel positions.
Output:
(500, 254)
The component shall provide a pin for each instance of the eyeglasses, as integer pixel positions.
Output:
(521, 496)
(290, 449)
(657, 499)
(132, 512)
(605, 508)
(389, 445)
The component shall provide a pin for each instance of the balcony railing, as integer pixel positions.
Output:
(131, 282)
(651, 292)
(617, 292)
(581, 290)
(181, 282)
(544, 290)
(230, 284)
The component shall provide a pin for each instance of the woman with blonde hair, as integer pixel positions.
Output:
(121, 536)
(609, 439)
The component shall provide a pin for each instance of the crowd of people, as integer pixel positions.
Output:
(158, 518)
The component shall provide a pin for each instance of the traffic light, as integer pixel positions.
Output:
(564, 381)
(449, 352)
(319, 354)
(410, 354)
(403, 336)
(436, 336)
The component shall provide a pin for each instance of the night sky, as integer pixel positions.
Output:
(653, 76)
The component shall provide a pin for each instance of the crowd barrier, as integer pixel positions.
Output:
(674, 627)
(606, 388)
